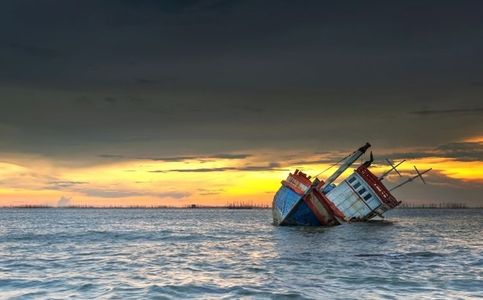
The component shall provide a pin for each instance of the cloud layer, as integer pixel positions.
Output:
(149, 93)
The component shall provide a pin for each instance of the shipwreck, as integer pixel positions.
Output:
(361, 196)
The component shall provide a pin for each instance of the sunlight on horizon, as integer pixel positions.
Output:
(216, 182)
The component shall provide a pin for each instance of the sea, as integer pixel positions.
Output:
(237, 254)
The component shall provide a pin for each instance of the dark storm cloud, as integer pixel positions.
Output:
(270, 167)
(328, 158)
(210, 157)
(273, 166)
(196, 170)
(34, 51)
(112, 156)
(315, 161)
(453, 111)
(462, 151)
(469, 151)
(180, 78)
(192, 41)
(228, 156)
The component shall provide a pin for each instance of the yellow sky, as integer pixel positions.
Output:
(203, 182)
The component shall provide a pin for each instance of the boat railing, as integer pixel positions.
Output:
(381, 191)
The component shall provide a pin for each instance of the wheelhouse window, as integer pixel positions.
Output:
(358, 184)
(352, 179)
(367, 197)
(362, 191)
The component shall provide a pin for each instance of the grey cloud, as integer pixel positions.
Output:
(195, 170)
(110, 193)
(273, 166)
(60, 185)
(174, 195)
(453, 111)
(111, 100)
(156, 82)
(468, 151)
(178, 80)
(408, 155)
(254, 109)
(34, 51)
(463, 151)
(325, 157)
(316, 161)
(146, 81)
(170, 159)
(301, 47)
(254, 168)
(228, 156)
(210, 192)
(112, 156)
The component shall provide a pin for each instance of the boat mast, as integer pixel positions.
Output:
(354, 157)
(420, 175)
(393, 168)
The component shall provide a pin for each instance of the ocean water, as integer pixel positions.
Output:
(163, 254)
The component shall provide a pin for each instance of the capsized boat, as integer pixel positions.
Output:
(359, 197)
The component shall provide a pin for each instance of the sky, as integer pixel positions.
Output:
(212, 102)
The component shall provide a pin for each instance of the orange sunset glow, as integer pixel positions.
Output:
(203, 181)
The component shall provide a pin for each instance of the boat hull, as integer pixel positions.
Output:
(310, 209)
(290, 209)
(358, 198)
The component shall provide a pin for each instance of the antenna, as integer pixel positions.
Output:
(420, 175)
(371, 158)
(393, 168)
(368, 163)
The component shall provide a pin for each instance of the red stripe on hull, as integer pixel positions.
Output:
(320, 213)
(329, 205)
(292, 187)
(323, 209)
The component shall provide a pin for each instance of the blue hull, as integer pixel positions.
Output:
(290, 209)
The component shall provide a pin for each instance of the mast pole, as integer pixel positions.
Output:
(354, 157)
(393, 168)
(420, 175)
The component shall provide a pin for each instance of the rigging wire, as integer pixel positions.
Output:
(335, 164)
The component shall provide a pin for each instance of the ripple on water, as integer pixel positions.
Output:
(169, 254)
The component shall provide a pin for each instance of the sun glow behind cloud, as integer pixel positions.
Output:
(475, 139)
